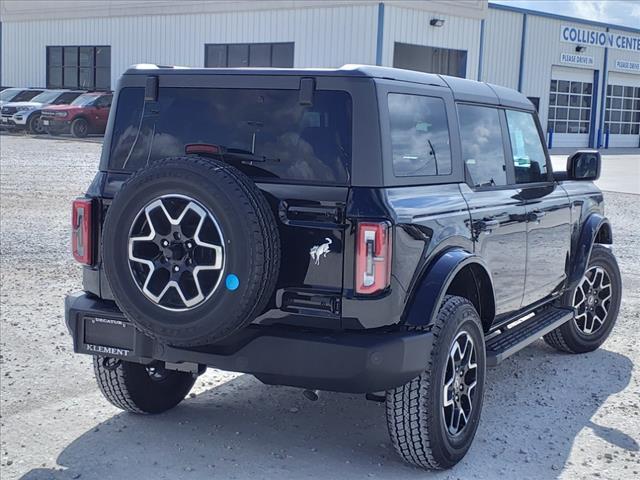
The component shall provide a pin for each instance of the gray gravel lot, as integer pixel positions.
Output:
(547, 415)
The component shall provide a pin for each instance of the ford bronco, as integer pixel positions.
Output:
(361, 229)
(86, 114)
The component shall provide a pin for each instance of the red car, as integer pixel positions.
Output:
(86, 114)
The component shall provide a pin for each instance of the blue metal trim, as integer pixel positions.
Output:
(555, 16)
(380, 33)
(480, 55)
(594, 108)
(522, 42)
(605, 80)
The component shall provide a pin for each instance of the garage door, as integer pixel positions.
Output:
(570, 98)
(622, 116)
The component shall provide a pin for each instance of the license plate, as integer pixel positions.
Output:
(108, 334)
(45, 122)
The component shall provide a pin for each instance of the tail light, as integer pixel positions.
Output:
(373, 257)
(81, 237)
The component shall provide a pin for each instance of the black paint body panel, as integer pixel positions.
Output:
(526, 244)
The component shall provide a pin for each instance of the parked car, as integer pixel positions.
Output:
(27, 115)
(18, 94)
(86, 114)
(365, 229)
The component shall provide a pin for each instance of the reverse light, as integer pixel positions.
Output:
(373, 257)
(81, 235)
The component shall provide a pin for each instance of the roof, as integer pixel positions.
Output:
(462, 89)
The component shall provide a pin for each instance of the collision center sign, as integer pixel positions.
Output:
(584, 36)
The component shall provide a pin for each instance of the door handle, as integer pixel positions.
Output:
(537, 215)
(488, 225)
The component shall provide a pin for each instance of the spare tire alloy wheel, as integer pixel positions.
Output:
(191, 250)
(170, 261)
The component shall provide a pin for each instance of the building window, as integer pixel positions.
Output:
(570, 106)
(223, 55)
(622, 116)
(84, 67)
(445, 61)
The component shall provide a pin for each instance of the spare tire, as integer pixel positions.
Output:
(191, 250)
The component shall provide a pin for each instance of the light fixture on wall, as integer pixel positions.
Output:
(436, 22)
(580, 48)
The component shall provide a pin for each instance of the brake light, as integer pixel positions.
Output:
(81, 236)
(373, 257)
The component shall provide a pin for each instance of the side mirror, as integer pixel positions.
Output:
(584, 165)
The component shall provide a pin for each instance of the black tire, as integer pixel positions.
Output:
(135, 388)
(80, 128)
(569, 337)
(34, 125)
(415, 411)
(251, 250)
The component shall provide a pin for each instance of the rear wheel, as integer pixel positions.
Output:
(433, 418)
(80, 128)
(596, 300)
(139, 388)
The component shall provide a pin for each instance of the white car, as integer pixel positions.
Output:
(26, 114)
(18, 94)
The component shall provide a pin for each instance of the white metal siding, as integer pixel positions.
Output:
(412, 26)
(323, 37)
(501, 51)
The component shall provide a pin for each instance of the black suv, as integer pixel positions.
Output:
(363, 229)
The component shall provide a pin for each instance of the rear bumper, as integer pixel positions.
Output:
(355, 362)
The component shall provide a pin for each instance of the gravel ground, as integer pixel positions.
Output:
(546, 415)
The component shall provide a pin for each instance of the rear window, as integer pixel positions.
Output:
(267, 134)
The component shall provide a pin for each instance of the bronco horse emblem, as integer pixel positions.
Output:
(320, 250)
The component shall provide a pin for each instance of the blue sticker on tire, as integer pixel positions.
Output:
(232, 282)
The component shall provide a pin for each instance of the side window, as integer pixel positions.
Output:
(482, 147)
(66, 98)
(104, 101)
(529, 161)
(419, 135)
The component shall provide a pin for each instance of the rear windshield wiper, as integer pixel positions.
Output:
(245, 156)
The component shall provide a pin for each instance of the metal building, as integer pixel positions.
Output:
(584, 76)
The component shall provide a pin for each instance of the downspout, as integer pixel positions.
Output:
(522, 45)
(480, 55)
(603, 95)
(380, 33)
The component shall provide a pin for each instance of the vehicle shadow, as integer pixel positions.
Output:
(537, 402)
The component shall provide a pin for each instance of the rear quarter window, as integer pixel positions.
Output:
(420, 143)
(267, 134)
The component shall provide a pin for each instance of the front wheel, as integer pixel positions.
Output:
(80, 128)
(140, 388)
(35, 125)
(596, 300)
(433, 419)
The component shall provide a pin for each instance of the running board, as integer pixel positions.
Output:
(510, 340)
